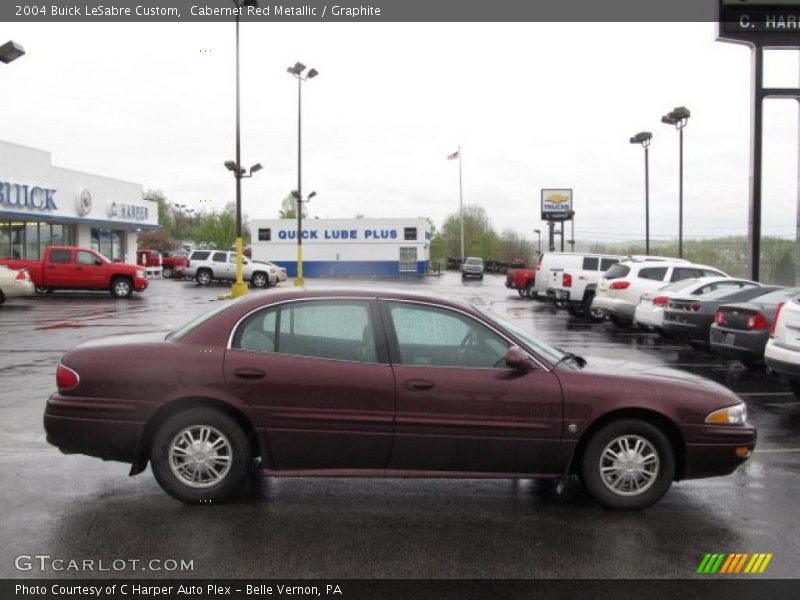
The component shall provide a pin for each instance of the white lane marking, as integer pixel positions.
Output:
(776, 451)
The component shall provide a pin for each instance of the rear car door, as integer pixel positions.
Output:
(220, 266)
(57, 269)
(459, 408)
(317, 375)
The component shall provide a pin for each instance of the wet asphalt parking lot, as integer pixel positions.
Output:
(76, 507)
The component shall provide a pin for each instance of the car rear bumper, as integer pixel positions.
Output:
(613, 307)
(649, 317)
(686, 330)
(783, 361)
(19, 289)
(89, 426)
(738, 343)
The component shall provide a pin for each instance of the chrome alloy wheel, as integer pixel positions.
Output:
(629, 465)
(200, 456)
(122, 288)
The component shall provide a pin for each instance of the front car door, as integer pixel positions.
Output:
(88, 270)
(316, 373)
(459, 407)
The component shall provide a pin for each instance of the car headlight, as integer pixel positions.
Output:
(141, 274)
(730, 415)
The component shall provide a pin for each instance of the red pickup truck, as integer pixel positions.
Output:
(72, 268)
(523, 280)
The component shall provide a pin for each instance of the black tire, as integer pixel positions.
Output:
(236, 448)
(620, 322)
(167, 273)
(463, 277)
(752, 364)
(204, 276)
(531, 289)
(480, 277)
(573, 310)
(794, 385)
(40, 289)
(523, 293)
(607, 437)
(586, 306)
(260, 280)
(121, 287)
(2, 297)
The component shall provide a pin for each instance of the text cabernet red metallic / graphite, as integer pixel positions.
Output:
(199, 10)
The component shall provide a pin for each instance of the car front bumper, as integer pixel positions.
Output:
(713, 449)
(139, 284)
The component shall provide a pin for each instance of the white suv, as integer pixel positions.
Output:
(205, 266)
(782, 353)
(620, 288)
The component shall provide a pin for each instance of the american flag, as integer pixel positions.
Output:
(453, 156)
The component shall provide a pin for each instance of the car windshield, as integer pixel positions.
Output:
(187, 328)
(546, 351)
(474, 261)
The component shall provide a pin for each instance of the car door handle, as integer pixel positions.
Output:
(250, 373)
(418, 385)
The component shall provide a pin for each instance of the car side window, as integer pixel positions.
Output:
(257, 332)
(85, 258)
(220, 257)
(59, 256)
(606, 263)
(200, 255)
(654, 273)
(681, 273)
(590, 263)
(438, 337)
(333, 329)
(710, 273)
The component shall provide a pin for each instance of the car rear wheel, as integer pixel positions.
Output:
(523, 293)
(751, 364)
(121, 287)
(166, 272)
(40, 289)
(259, 280)
(204, 277)
(200, 456)
(2, 297)
(794, 385)
(628, 465)
(531, 291)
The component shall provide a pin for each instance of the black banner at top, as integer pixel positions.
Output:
(359, 10)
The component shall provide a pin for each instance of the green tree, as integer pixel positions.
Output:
(289, 208)
(165, 216)
(218, 230)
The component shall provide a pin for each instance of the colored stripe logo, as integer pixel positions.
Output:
(734, 563)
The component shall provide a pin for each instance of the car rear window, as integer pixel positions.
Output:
(617, 271)
(653, 273)
(606, 263)
(199, 255)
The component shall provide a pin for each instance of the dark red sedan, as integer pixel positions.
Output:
(376, 384)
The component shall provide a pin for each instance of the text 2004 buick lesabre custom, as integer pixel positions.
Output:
(376, 384)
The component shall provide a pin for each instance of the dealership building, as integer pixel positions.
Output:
(43, 205)
(346, 247)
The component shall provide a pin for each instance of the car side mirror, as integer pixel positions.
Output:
(97, 262)
(517, 359)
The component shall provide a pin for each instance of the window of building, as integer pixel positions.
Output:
(265, 235)
(109, 243)
(408, 260)
(28, 240)
(410, 234)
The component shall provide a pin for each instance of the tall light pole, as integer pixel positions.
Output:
(297, 72)
(239, 287)
(679, 117)
(10, 51)
(538, 232)
(643, 138)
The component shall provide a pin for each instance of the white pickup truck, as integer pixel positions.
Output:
(574, 288)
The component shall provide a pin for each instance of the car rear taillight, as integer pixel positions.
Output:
(757, 321)
(538, 266)
(23, 275)
(566, 280)
(775, 320)
(720, 318)
(187, 263)
(660, 301)
(619, 285)
(66, 378)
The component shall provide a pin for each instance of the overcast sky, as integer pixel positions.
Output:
(532, 105)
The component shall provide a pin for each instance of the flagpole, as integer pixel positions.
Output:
(461, 203)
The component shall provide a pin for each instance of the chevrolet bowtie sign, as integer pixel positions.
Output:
(766, 23)
(557, 204)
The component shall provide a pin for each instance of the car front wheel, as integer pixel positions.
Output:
(259, 280)
(200, 456)
(628, 465)
(121, 287)
(166, 273)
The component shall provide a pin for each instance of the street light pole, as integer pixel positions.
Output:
(239, 287)
(297, 72)
(679, 117)
(644, 138)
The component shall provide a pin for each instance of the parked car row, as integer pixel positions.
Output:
(757, 324)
